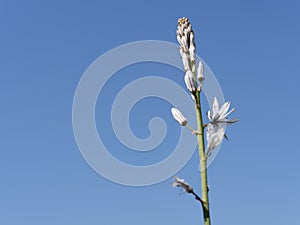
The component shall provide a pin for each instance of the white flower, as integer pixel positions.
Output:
(190, 81)
(214, 136)
(219, 115)
(181, 183)
(179, 117)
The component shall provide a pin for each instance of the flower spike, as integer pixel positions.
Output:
(186, 40)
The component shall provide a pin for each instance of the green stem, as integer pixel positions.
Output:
(203, 171)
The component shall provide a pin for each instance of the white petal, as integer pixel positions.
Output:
(223, 110)
(233, 109)
(209, 131)
(215, 107)
(209, 115)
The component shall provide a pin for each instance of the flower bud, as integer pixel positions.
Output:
(179, 117)
(192, 51)
(185, 59)
(190, 81)
(200, 71)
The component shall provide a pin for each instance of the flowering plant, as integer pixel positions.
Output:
(215, 131)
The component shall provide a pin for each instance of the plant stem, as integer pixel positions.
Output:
(202, 157)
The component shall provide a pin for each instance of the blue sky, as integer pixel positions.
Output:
(252, 47)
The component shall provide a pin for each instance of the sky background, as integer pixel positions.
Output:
(45, 47)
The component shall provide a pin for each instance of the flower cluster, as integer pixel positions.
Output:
(215, 131)
(186, 39)
(217, 116)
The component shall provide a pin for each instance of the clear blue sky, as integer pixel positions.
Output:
(45, 47)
